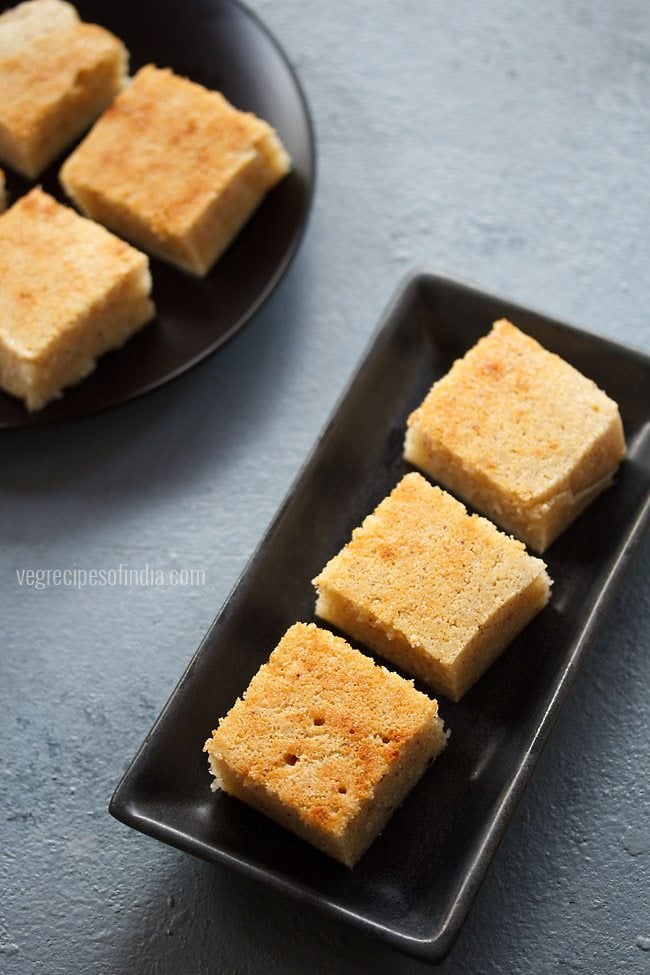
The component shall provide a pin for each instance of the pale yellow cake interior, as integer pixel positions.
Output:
(71, 291)
(435, 590)
(57, 75)
(518, 433)
(175, 168)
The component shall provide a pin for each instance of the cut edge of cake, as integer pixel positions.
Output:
(192, 243)
(32, 139)
(460, 674)
(447, 669)
(540, 516)
(38, 372)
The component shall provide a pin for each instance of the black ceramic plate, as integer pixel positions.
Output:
(223, 46)
(415, 885)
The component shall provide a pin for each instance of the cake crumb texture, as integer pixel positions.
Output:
(70, 290)
(175, 168)
(57, 74)
(437, 591)
(518, 433)
(325, 742)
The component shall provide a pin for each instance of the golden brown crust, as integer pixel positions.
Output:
(431, 587)
(175, 168)
(69, 290)
(53, 83)
(519, 433)
(318, 731)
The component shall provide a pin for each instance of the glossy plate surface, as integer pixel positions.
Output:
(223, 46)
(415, 885)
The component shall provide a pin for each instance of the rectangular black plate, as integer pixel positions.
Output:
(416, 884)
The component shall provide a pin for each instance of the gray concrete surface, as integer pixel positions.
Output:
(505, 142)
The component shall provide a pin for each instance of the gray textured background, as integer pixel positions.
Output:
(501, 141)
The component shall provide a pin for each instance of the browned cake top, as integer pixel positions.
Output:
(54, 265)
(519, 414)
(165, 149)
(44, 51)
(426, 569)
(320, 724)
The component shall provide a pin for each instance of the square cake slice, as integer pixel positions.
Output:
(175, 168)
(325, 742)
(57, 75)
(439, 592)
(519, 434)
(70, 291)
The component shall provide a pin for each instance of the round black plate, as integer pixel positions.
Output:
(223, 46)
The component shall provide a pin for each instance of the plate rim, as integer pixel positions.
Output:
(34, 420)
(436, 948)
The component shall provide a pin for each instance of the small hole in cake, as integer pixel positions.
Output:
(342, 790)
(385, 739)
(319, 721)
(290, 758)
